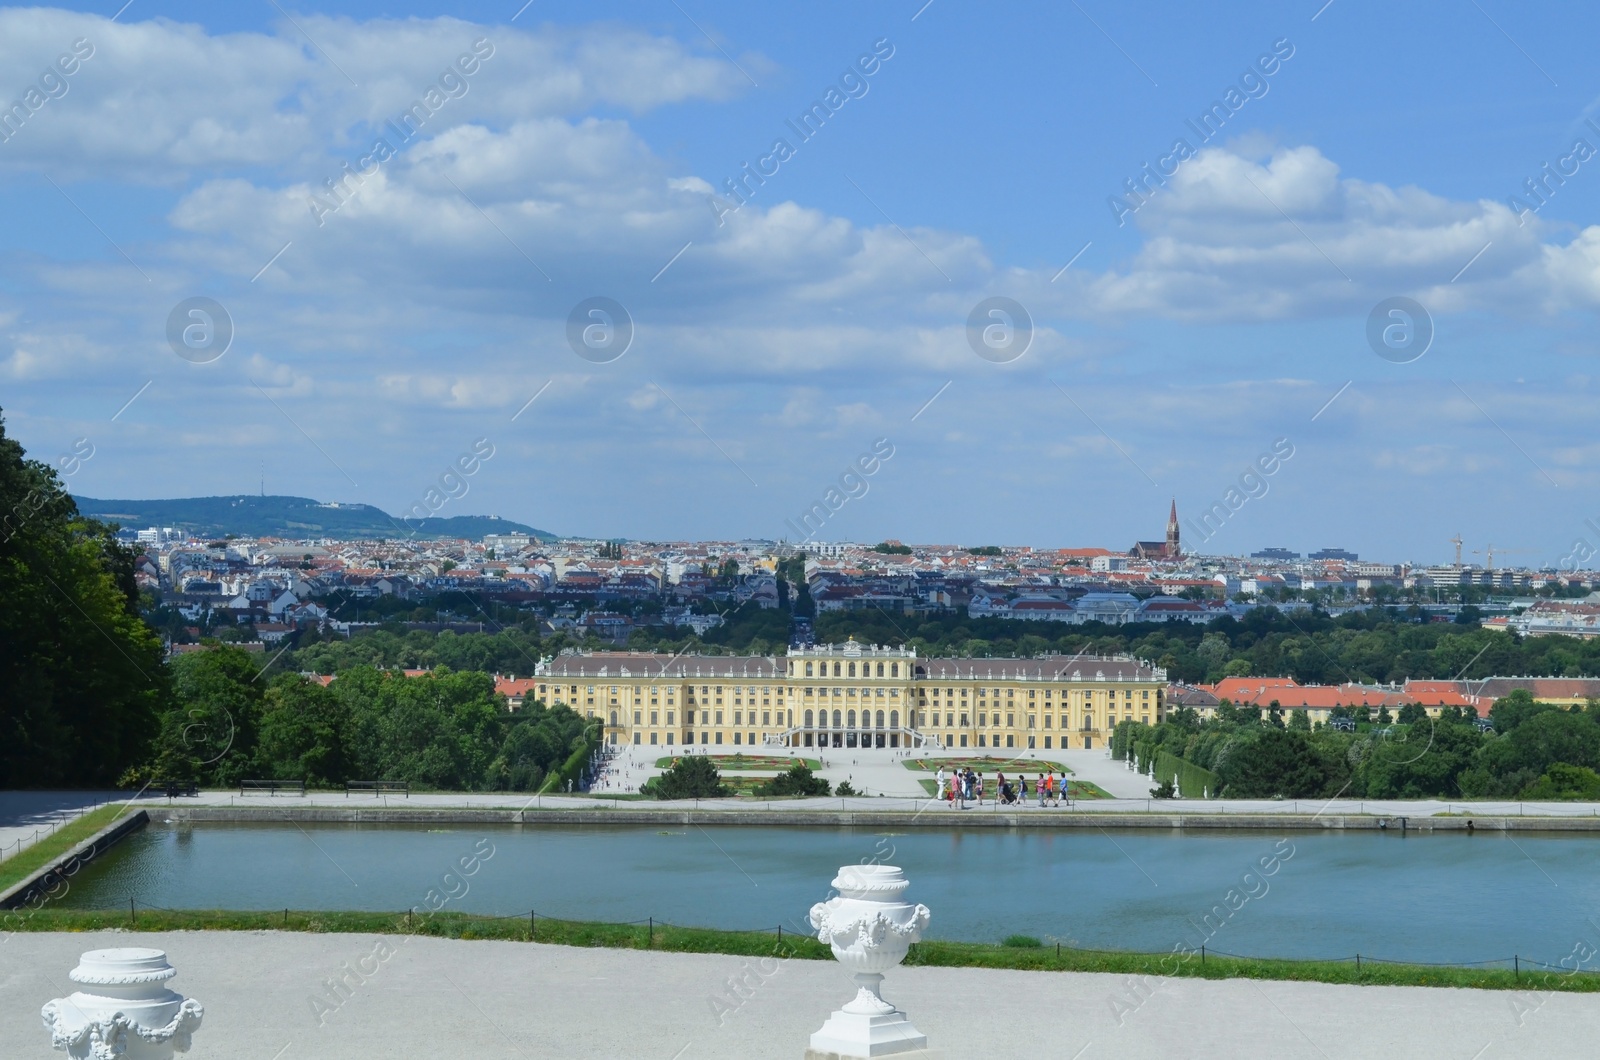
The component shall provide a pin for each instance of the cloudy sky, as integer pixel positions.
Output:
(1197, 293)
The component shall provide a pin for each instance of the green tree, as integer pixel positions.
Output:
(690, 777)
(1514, 708)
(1561, 781)
(209, 735)
(1272, 762)
(81, 675)
(796, 780)
(301, 736)
(438, 730)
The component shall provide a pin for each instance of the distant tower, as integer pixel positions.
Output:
(1173, 549)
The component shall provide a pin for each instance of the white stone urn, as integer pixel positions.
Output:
(125, 1011)
(869, 926)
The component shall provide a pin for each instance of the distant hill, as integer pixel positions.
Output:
(251, 516)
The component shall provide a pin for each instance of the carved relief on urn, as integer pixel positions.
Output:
(125, 1010)
(869, 928)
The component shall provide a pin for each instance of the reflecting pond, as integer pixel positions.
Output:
(1426, 897)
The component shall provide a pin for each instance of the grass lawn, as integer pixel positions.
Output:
(986, 764)
(774, 763)
(19, 867)
(1076, 789)
(1025, 954)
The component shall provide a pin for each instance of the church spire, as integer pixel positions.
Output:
(1173, 550)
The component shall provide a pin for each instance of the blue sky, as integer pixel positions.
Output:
(1379, 159)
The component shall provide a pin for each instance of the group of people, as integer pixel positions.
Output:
(964, 786)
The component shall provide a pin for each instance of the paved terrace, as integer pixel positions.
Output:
(889, 785)
(26, 817)
(428, 998)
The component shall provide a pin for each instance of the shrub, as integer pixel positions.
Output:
(693, 777)
(797, 780)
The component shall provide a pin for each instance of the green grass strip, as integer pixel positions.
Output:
(1022, 954)
(18, 867)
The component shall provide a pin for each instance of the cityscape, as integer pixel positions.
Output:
(700, 530)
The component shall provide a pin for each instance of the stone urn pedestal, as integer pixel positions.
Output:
(869, 928)
(125, 1010)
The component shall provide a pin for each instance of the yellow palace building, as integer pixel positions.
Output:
(854, 695)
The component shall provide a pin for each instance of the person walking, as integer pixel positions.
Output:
(939, 791)
(978, 785)
(1043, 787)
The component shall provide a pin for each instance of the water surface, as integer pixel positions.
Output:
(1441, 897)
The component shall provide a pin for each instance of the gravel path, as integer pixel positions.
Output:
(433, 998)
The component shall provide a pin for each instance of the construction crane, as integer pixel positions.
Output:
(1456, 541)
(1489, 551)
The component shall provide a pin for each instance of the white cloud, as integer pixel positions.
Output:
(160, 100)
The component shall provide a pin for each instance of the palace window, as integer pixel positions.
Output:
(838, 720)
(808, 669)
(983, 719)
(636, 717)
(894, 669)
(719, 717)
(894, 719)
(852, 718)
(653, 715)
(808, 719)
(738, 717)
(766, 717)
(852, 669)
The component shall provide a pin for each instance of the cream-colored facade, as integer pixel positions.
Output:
(854, 696)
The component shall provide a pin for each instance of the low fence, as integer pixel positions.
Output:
(646, 932)
(55, 826)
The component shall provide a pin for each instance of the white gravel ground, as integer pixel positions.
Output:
(433, 998)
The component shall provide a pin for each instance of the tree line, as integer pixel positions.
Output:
(88, 698)
(1530, 750)
(444, 729)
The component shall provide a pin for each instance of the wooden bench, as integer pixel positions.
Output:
(173, 788)
(271, 787)
(379, 787)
